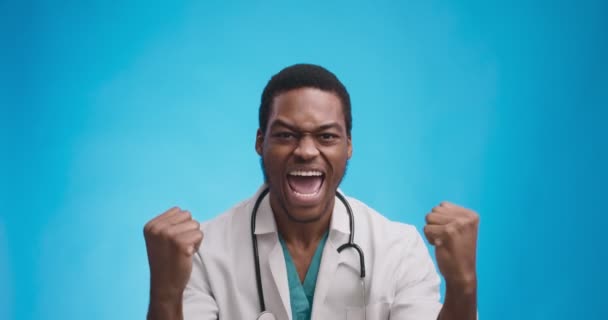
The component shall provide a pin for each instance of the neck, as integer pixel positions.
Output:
(301, 234)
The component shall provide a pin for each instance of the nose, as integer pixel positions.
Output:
(306, 148)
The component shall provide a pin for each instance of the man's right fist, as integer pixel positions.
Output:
(171, 240)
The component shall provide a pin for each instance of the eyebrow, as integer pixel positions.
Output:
(331, 125)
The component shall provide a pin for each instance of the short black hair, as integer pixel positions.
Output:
(303, 76)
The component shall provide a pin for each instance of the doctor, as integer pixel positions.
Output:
(296, 226)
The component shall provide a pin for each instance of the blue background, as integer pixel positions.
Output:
(111, 113)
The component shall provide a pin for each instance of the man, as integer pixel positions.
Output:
(304, 141)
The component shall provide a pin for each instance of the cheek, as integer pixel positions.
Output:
(337, 160)
(274, 159)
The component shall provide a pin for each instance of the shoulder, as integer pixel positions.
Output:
(381, 228)
(226, 218)
(368, 214)
(227, 228)
(394, 246)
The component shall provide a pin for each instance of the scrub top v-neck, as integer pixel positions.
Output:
(301, 294)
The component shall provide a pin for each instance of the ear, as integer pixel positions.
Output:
(259, 142)
(350, 147)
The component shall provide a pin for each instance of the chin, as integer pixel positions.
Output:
(308, 212)
(305, 217)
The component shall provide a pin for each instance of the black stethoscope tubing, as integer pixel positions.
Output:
(256, 256)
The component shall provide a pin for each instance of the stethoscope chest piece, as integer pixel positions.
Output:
(266, 316)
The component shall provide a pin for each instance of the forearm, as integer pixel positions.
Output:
(165, 309)
(460, 302)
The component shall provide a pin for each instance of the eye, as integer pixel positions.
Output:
(328, 136)
(284, 135)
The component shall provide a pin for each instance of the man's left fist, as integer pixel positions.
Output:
(453, 231)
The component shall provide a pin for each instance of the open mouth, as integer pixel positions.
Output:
(305, 184)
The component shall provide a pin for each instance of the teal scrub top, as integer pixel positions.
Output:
(301, 294)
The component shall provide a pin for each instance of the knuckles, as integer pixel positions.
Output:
(428, 217)
(451, 229)
(452, 220)
(445, 204)
(152, 229)
(454, 211)
(470, 217)
(426, 230)
(160, 228)
(185, 214)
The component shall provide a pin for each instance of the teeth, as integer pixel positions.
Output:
(306, 195)
(303, 173)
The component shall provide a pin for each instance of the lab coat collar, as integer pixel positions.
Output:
(339, 219)
(266, 224)
(265, 219)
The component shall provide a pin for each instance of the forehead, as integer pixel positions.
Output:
(307, 108)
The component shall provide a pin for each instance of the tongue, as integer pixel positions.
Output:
(305, 185)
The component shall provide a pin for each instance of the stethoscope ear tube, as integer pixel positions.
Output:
(256, 256)
(351, 242)
(358, 249)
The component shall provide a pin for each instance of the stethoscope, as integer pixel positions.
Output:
(266, 315)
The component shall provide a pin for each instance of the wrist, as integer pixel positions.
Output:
(463, 286)
(163, 306)
(166, 297)
(163, 292)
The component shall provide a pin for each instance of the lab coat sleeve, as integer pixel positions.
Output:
(417, 292)
(198, 300)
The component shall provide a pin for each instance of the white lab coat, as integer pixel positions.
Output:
(401, 282)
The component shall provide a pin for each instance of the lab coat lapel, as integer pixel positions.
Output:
(265, 226)
(329, 264)
(331, 259)
(279, 275)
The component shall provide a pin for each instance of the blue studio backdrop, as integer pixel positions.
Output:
(114, 111)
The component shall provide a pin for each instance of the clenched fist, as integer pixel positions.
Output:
(453, 231)
(171, 240)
